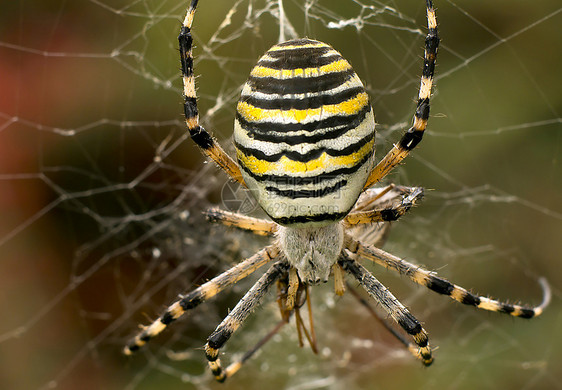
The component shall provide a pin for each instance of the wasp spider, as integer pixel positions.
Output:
(304, 135)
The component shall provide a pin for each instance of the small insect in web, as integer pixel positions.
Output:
(304, 135)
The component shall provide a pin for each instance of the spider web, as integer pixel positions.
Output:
(101, 192)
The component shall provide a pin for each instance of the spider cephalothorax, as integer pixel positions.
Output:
(312, 251)
(304, 135)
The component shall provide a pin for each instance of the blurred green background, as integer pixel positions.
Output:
(101, 192)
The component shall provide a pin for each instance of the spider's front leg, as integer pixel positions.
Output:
(200, 136)
(414, 135)
(236, 317)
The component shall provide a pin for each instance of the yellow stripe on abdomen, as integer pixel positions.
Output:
(348, 107)
(286, 166)
(336, 66)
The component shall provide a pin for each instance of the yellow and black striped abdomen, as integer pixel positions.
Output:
(304, 133)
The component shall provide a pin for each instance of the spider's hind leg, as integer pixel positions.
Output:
(235, 366)
(237, 316)
(392, 306)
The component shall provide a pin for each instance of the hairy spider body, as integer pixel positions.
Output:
(304, 138)
(312, 250)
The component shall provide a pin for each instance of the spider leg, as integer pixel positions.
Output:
(257, 226)
(392, 306)
(235, 366)
(387, 214)
(201, 294)
(373, 196)
(443, 286)
(411, 346)
(237, 316)
(232, 368)
(414, 135)
(200, 136)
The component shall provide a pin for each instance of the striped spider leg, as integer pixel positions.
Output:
(258, 226)
(429, 280)
(442, 286)
(371, 212)
(412, 347)
(236, 317)
(208, 145)
(413, 136)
